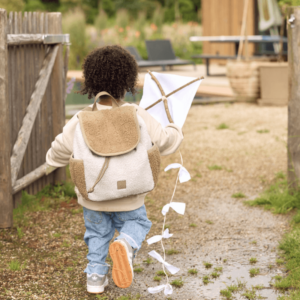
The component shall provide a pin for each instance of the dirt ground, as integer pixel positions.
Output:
(242, 157)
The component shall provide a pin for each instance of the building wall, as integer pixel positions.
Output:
(224, 17)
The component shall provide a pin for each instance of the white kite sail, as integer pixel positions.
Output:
(179, 103)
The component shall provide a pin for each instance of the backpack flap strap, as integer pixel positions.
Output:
(113, 100)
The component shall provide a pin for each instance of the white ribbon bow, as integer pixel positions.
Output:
(172, 269)
(157, 238)
(179, 207)
(166, 287)
(184, 174)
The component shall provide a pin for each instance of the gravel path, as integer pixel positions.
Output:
(242, 157)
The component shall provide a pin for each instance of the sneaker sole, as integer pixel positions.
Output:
(121, 273)
(97, 289)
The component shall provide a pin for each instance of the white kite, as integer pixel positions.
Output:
(165, 94)
(168, 99)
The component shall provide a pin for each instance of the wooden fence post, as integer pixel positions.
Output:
(57, 89)
(6, 203)
(294, 97)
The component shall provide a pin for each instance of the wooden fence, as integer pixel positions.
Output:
(32, 93)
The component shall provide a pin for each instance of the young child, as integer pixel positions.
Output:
(114, 70)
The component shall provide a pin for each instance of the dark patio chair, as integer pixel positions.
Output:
(161, 52)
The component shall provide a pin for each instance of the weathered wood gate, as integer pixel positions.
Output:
(32, 94)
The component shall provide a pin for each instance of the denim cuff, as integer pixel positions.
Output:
(97, 269)
(130, 241)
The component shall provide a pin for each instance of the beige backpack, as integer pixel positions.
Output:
(113, 155)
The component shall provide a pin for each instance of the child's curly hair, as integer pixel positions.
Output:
(111, 69)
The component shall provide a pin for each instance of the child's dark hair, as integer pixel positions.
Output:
(111, 69)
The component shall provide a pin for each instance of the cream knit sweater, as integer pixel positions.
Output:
(167, 139)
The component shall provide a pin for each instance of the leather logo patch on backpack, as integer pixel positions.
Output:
(121, 184)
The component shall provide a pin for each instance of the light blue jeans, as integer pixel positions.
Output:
(100, 228)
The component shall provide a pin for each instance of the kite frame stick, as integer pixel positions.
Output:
(175, 91)
(164, 98)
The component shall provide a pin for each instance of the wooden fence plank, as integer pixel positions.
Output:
(294, 100)
(57, 89)
(6, 203)
(31, 177)
(31, 113)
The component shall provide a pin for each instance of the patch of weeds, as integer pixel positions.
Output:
(138, 270)
(177, 283)
(76, 211)
(147, 261)
(277, 277)
(167, 226)
(241, 285)
(56, 235)
(205, 279)
(238, 195)
(226, 294)
(102, 297)
(222, 126)
(198, 175)
(65, 244)
(258, 287)
(215, 275)
(209, 222)
(172, 251)
(253, 272)
(279, 261)
(192, 271)
(225, 260)
(253, 260)
(278, 198)
(215, 168)
(263, 131)
(157, 278)
(250, 294)
(70, 269)
(20, 232)
(253, 242)
(14, 265)
(193, 225)
(129, 297)
(207, 265)
(233, 288)
(270, 266)
(218, 269)
(160, 273)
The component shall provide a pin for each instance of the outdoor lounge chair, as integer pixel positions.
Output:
(161, 52)
(169, 58)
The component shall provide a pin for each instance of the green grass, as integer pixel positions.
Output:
(218, 269)
(226, 294)
(279, 261)
(57, 235)
(207, 265)
(205, 280)
(138, 270)
(222, 126)
(193, 225)
(147, 261)
(250, 294)
(253, 242)
(160, 273)
(215, 274)
(172, 251)
(20, 232)
(209, 222)
(15, 265)
(253, 260)
(157, 278)
(177, 283)
(225, 260)
(238, 195)
(193, 271)
(278, 198)
(233, 288)
(253, 272)
(215, 168)
(263, 131)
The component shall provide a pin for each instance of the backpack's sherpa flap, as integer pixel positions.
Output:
(110, 132)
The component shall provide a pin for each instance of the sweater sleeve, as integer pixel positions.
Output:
(167, 139)
(62, 147)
